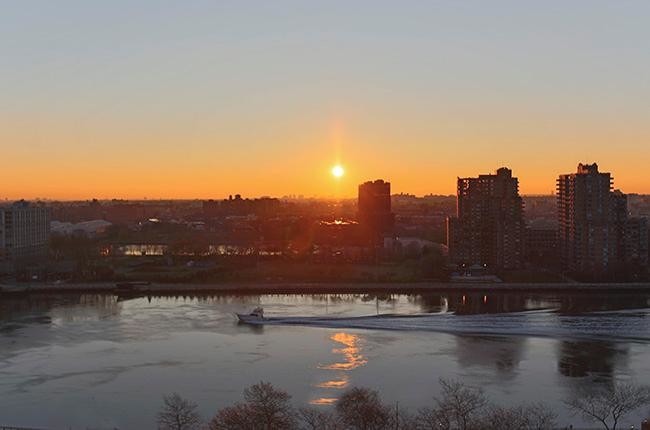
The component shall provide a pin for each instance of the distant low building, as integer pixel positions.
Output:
(24, 233)
(340, 240)
(238, 206)
(411, 246)
(85, 228)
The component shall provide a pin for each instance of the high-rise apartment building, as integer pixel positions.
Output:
(636, 243)
(374, 207)
(591, 222)
(488, 227)
(24, 232)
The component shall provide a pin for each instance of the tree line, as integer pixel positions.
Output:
(459, 407)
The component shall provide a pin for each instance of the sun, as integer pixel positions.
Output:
(338, 171)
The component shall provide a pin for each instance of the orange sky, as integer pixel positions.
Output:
(63, 160)
(206, 99)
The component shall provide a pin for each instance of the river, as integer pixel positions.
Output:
(104, 362)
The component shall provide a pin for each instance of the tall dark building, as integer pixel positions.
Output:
(636, 243)
(591, 222)
(24, 233)
(374, 207)
(619, 226)
(488, 227)
(540, 244)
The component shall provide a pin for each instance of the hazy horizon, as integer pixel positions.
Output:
(203, 99)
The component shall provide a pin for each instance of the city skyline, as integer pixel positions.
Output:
(294, 215)
(336, 171)
(204, 99)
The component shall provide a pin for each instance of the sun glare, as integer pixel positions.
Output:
(338, 171)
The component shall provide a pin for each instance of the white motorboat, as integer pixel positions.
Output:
(256, 316)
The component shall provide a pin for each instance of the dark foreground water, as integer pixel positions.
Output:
(99, 361)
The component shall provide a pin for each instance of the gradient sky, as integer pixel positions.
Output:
(192, 99)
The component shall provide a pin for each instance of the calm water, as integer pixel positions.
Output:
(102, 362)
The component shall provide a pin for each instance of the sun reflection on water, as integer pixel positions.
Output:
(352, 358)
(324, 401)
(335, 383)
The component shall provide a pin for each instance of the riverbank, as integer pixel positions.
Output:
(319, 288)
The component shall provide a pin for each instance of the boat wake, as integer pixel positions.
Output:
(612, 325)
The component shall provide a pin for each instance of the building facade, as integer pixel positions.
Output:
(591, 222)
(540, 246)
(24, 232)
(488, 227)
(636, 244)
(374, 207)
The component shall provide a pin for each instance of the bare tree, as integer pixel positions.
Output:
(265, 408)
(500, 418)
(271, 406)
(237, 417)
(540, 417)
(607, 407)
(527, 417)
(314, 419)
(361, 409)
(178, 414)
(432, 419)
(459, 404)
(403, 420)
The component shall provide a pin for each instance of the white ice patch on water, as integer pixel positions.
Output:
(628, 325)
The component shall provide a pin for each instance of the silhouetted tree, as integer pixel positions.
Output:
(237, 417)
(432, 419)
(314, 419)
(458, 408)
(608, 406)
(265, 408)
(540, 417)
(178, 414)
(528, 417)
(361, 409)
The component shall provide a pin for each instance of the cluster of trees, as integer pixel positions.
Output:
(459, 407)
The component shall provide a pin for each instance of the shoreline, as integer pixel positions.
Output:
(320, 288)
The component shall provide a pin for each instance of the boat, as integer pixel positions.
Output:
(256, 316)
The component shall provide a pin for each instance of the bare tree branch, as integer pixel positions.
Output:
(178, 414)
(607, 407)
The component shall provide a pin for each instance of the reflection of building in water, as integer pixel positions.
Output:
(501, 354)
(431, 303)
(34, 304)
(349, 347)
(578, 359)
(483, 303)
(88, 307)
(477, 302)
(47, 310)
(582, 303)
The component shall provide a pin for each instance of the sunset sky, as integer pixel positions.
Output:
(196, 99)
